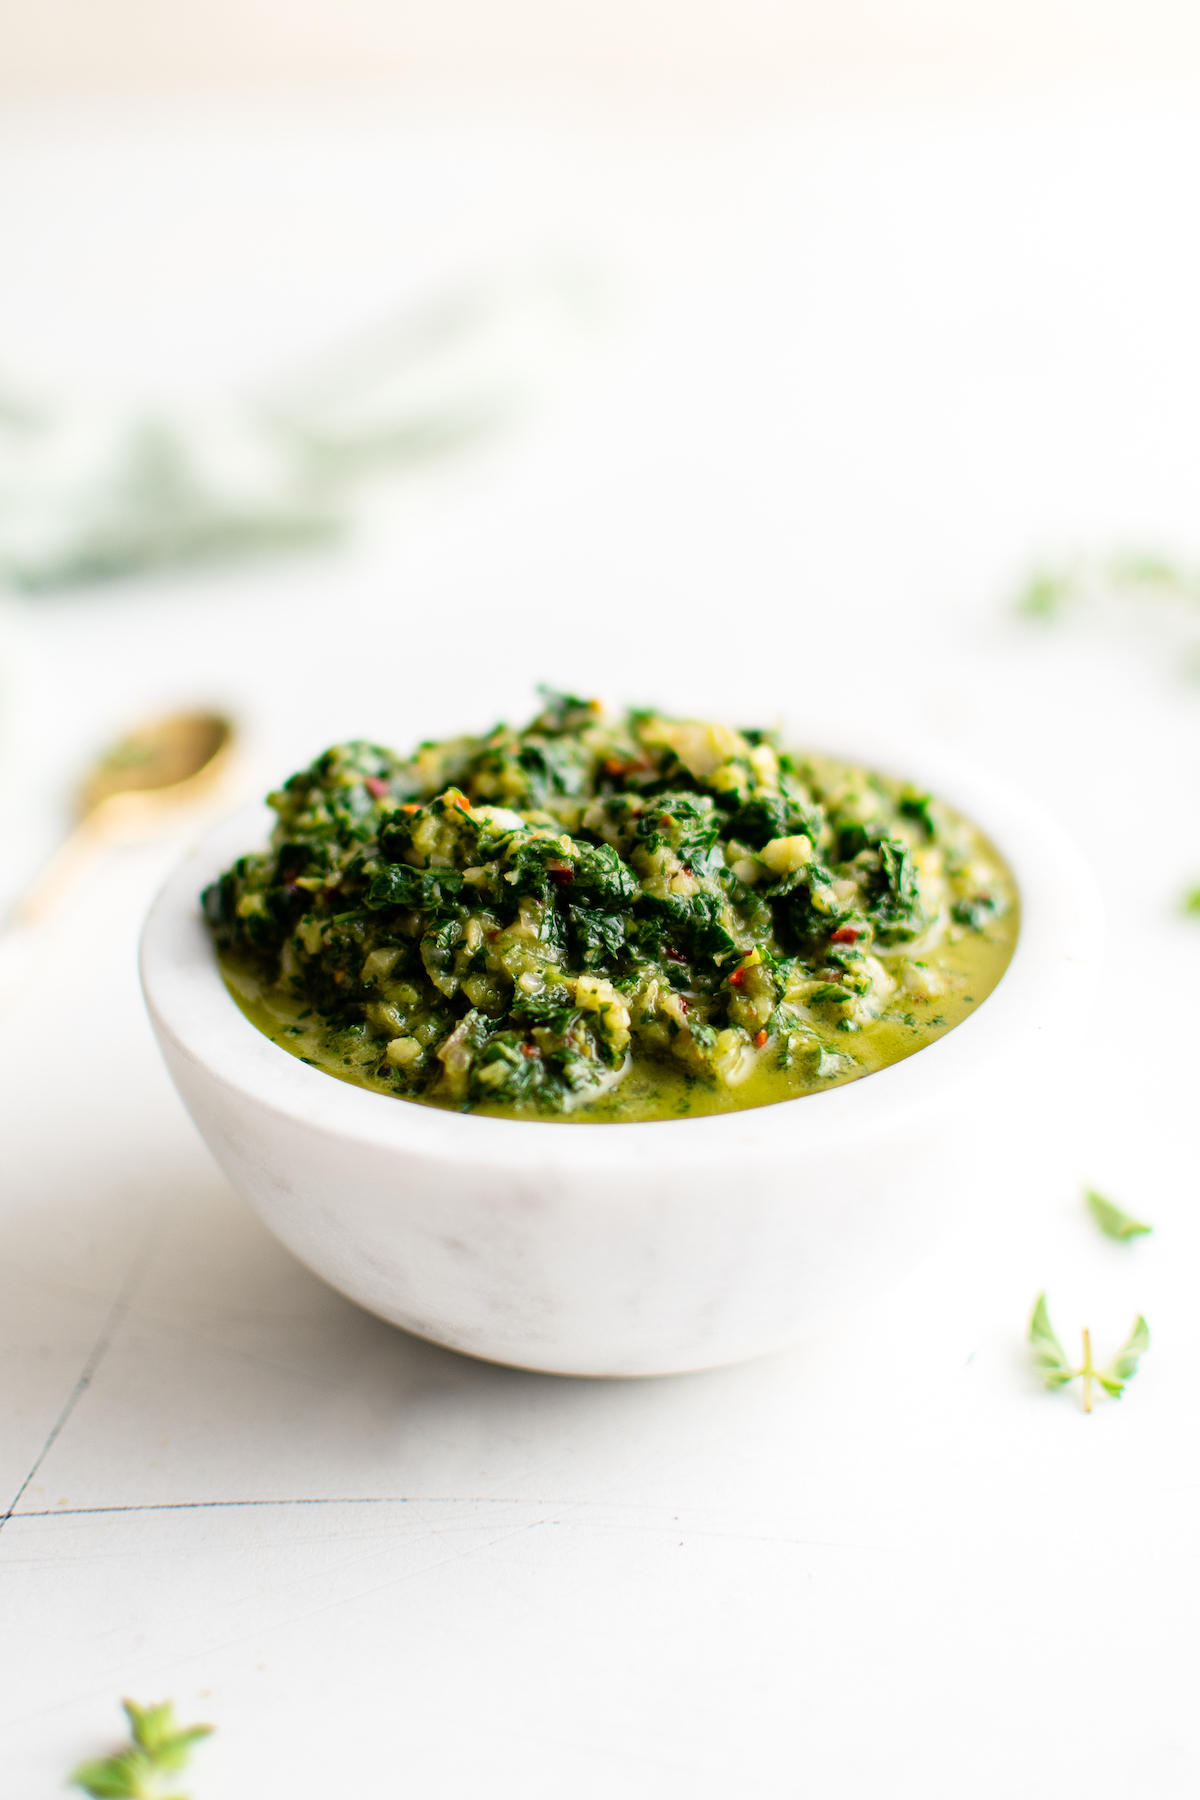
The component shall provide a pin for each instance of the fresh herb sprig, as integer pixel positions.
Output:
(1056, 1371)
(159, 1747)
(1112, 1221)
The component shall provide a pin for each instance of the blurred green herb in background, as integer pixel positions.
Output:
(156, 510)
(91, 499)
(158, 1749)
(1082, 582)
(1138, 587)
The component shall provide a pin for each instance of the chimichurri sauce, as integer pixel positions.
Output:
(597, 919)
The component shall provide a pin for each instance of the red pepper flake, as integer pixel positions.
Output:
(410, 809)
(760, 1038)
(638, 766)
(846, 934)
(462, 803)
(737, 978)
(563, 873)
(374, 786)
(530, 1050)
(674, 954)
(682, 998)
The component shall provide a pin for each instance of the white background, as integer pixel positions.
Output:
(844, 372)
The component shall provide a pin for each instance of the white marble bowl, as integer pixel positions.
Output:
(633, 1249)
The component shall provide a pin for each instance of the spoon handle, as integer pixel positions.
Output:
(74, 856)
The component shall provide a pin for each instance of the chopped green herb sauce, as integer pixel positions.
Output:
(603, 919)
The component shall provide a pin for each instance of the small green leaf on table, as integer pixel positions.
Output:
(159, 1747)
(1112, 1221)
(1048, 1354)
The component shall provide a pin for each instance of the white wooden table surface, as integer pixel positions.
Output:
(851, 373)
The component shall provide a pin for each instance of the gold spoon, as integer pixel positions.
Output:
(131, 791)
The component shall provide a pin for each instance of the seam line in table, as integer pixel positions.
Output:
(99, 1350)
(418, 1500)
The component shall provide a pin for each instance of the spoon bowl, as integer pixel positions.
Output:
(160, 766)
(132, 790)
